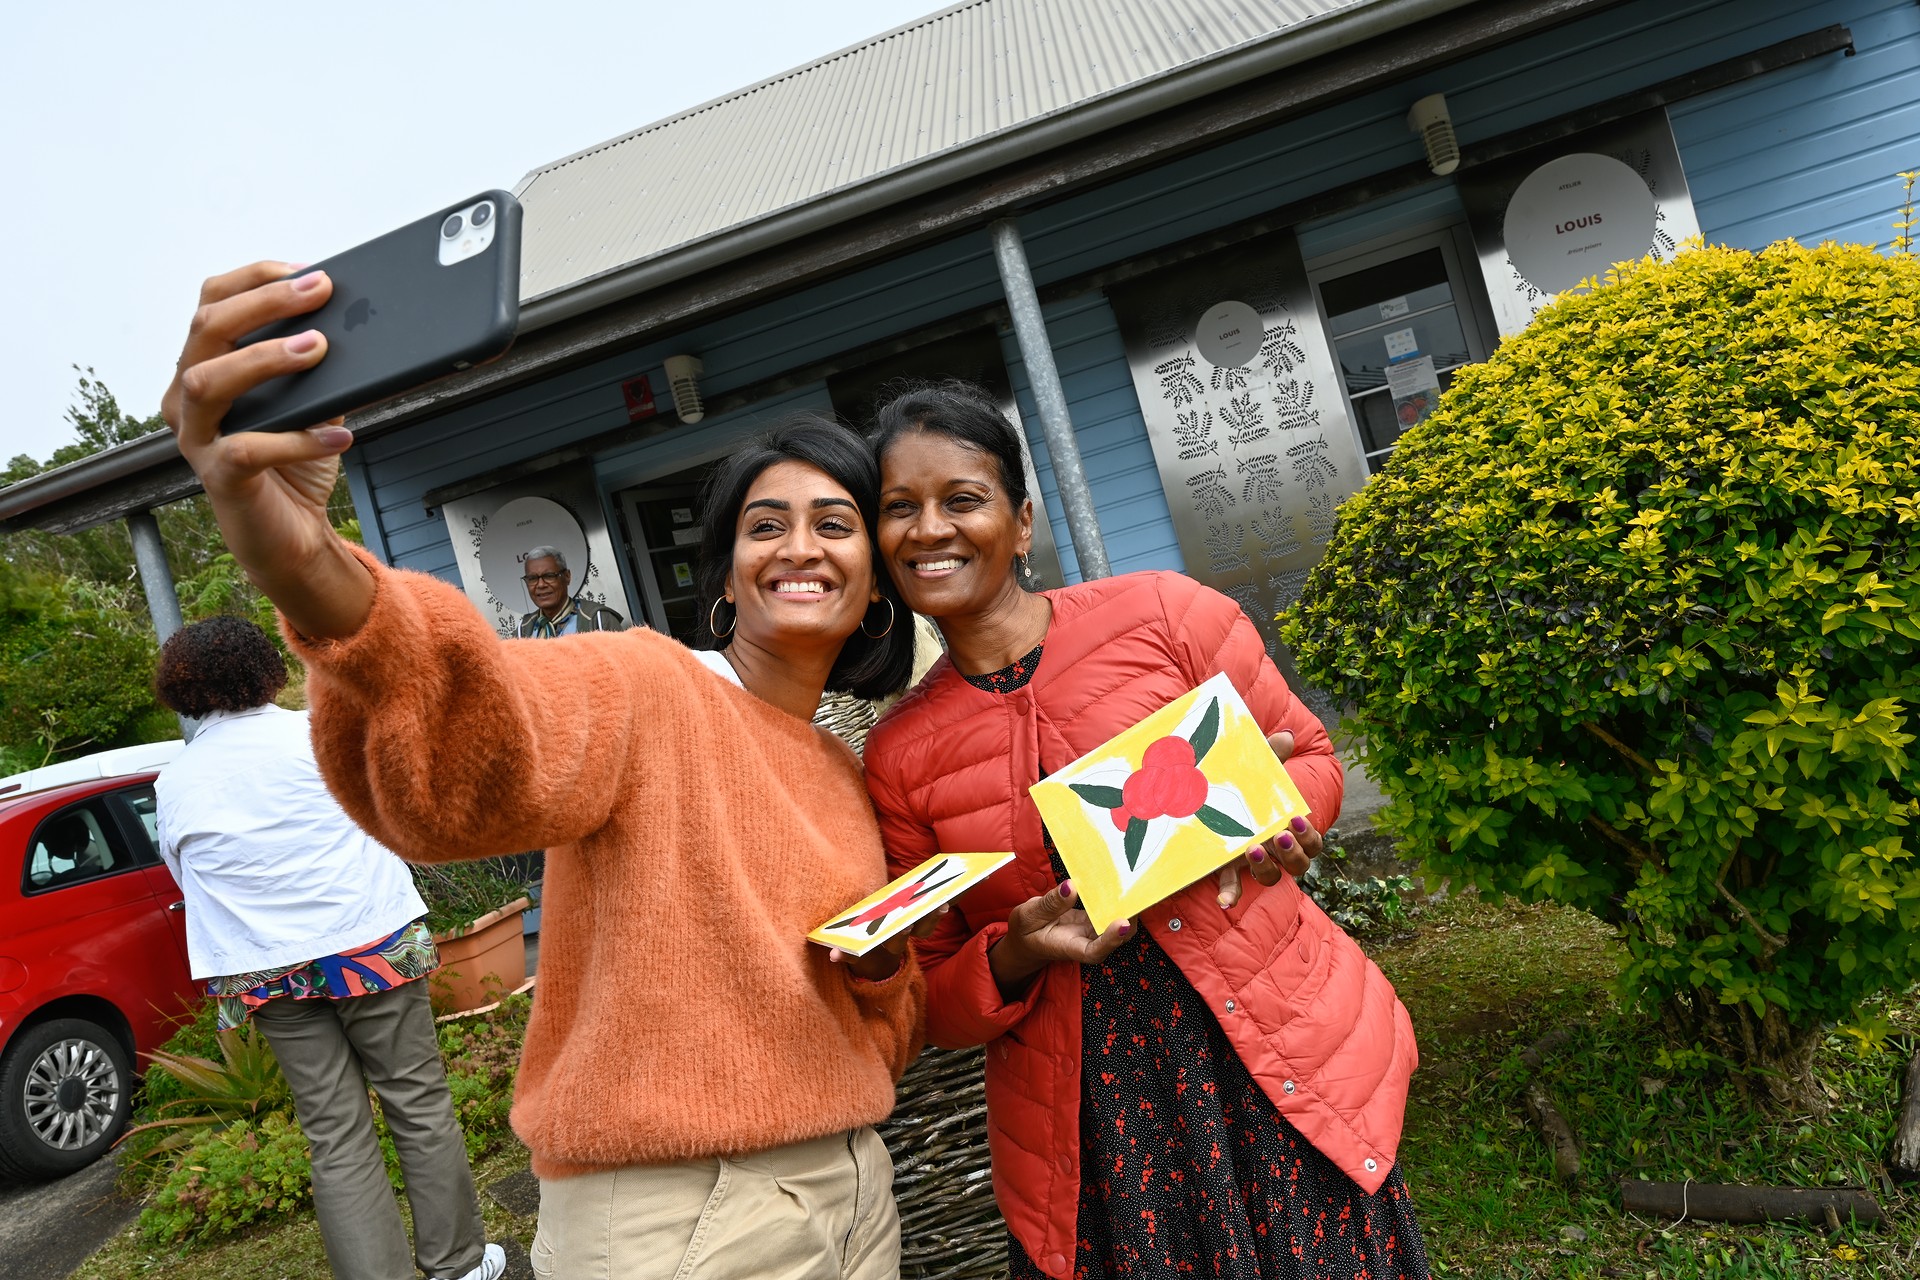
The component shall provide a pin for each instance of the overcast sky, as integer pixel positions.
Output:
(149, 145)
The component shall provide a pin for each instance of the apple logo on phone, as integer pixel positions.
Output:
(359, 311)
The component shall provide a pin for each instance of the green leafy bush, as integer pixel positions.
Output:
(1631, 623)
(76, 666)
(483, 1056)
(1365, 906)
(249, 1172)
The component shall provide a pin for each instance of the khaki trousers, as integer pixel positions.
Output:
(818, 1210)
(330, 1051)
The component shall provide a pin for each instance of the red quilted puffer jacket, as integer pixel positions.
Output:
(1315, 1021)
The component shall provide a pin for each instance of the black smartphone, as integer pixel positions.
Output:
(433, 297)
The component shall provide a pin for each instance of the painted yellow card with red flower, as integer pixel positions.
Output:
(1164, 803)
(875, 918)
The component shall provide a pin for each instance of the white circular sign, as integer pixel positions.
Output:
(519, 525)
(1576, 216)
(1229, 334)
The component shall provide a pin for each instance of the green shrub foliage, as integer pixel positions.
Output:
(1631, 622)
(230, 1178)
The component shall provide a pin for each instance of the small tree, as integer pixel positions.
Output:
(1631, 623)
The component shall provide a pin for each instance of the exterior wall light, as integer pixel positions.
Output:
(683, 378)
(1430, 119)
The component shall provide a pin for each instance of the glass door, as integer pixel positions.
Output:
(1402, 321)
(662, 519)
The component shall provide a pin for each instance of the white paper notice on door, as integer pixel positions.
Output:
(1415, 389)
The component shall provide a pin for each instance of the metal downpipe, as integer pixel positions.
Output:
(156, 579)
(1036, 352)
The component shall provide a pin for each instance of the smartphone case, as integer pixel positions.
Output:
(397, 318)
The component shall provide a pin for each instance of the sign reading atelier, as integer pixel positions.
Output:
(1547, 218)
(1248, 422)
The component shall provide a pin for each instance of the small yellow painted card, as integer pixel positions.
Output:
(1162, 804)
(875, 918)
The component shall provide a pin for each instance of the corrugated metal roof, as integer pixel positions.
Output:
(945, 82)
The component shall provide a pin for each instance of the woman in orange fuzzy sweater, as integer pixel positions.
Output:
(698, 1082)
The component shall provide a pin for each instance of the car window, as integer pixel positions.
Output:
(68, 848)
(140, 802)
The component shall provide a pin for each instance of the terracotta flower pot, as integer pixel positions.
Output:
(480, 963)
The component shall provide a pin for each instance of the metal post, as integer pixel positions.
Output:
(156, 578)
(1036, 352)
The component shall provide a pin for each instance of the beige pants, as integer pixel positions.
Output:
(819, 1210)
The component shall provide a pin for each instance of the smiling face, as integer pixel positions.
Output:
(802, 569)
(948, 531)
(546, 583)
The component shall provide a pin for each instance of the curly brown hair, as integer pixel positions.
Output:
(222, 664)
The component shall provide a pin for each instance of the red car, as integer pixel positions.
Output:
(93, 967)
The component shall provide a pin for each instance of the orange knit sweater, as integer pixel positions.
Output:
(694, 834)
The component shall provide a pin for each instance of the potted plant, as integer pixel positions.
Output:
(474, 911)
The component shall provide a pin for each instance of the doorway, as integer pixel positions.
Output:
(1403, 318)
(662, 523)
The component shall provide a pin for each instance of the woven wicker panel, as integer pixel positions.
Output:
(950, 1228)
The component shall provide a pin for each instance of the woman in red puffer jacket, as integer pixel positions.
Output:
(1214, 1089)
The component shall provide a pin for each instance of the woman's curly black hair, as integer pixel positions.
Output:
(222, 664)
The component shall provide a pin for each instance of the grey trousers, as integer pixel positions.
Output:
(330, 1051)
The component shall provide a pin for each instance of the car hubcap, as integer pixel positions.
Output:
(72, 1094)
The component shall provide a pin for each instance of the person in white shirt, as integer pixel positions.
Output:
(299, 921)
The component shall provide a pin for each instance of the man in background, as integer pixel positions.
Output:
(557, 612)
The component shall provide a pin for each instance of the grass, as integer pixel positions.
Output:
(289, 1251)
(1484, 982)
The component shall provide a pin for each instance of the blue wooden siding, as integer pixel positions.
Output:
(1810, 151)
(1814, 151)
(1114, 451)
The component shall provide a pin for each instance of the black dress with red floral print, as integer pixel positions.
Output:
(1186, 1167)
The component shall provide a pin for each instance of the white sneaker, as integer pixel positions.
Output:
(492, 1262)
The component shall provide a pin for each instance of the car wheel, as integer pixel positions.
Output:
(65, 1094)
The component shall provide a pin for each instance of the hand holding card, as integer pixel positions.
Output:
(1160, 805)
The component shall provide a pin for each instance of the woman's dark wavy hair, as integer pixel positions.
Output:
(222, 664)
(866, 668)
(960, 411)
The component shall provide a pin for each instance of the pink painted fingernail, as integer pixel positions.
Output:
(1257, 854)
(1286, 841)
(301, 343)
(1300, 825)
(1066, 888)
(1124, 929)
(309, 282)
(334, 437)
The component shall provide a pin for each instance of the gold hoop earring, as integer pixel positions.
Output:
(713, 626)
(889, 627)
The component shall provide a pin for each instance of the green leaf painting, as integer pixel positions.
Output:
(1220, 824)
(1208, 730)
(1097, 796)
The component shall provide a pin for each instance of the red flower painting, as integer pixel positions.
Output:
(875, 917)
(1168, 784)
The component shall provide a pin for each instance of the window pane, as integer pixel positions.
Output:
(68, 848)
(1405, 285)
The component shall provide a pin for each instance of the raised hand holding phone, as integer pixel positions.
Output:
(251, 343)
(268, 491)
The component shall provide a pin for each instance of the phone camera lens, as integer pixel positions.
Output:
(482, 215)
(451, 227)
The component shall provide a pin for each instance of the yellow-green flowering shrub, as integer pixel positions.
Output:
(1632, 623)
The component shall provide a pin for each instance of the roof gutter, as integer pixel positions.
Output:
(129, 461)
(1282, 49)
